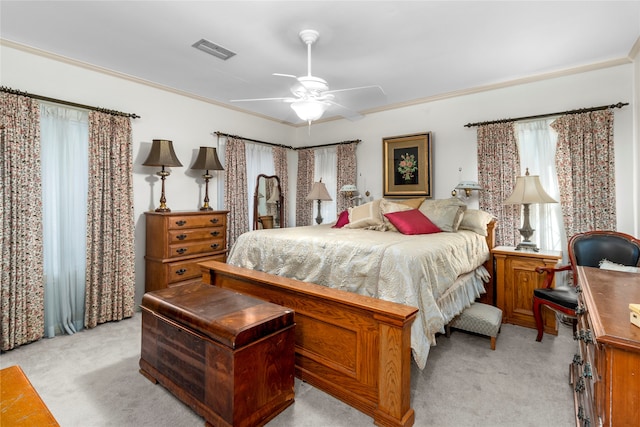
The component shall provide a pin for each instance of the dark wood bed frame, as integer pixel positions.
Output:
(354, 347)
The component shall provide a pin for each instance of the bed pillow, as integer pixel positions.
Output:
(412, 222)
(605, 264)
(476, 220)
(387, 206)
(446, 214)
(343, 220)
(366, 216)
(413, 203)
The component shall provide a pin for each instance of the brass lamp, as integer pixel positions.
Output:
(162, 154)
(319, 192)
(528, 190)
(208, 160)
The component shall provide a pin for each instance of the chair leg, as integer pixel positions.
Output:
(537, 314)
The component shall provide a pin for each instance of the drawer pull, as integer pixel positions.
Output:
(181, 236)
(577, 359)
(579, 385)
(215, 233)
(181, 271)
(214, 220)
(586, 371)
(581, 310)
(181, 250)
(181, 223)
(215, 246)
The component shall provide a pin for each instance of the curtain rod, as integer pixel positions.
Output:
(68, 103)
(285, 146)
(540, 116)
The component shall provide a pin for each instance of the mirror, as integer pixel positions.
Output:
(268, 203)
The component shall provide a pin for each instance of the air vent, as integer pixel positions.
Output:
(213, 49)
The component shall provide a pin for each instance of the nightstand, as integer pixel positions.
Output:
(516, 279)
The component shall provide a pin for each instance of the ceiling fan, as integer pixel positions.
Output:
(311, 94)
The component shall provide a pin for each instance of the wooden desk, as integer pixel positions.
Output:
(606, 369)
(20, 403)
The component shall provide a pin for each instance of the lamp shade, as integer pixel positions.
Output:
(309, 109)
(468, 185)
(348, 188)
(319, 192)
(528, 190)
(207, 159)
(162, 154)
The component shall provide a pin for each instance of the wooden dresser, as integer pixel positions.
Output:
(516, 278)
(178, 241)
(605, 371)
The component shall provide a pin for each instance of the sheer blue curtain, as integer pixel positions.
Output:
(537, 148)
(325, 168)
(64, 135)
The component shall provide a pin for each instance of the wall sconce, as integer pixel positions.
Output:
(319, 192)
(528, 190)
(467, 187)
(348, 190)
(208, 160)
(162, 154)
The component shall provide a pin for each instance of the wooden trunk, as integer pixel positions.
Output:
(228, 356)
(351, 346)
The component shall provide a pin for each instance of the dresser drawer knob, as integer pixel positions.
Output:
(181, 236)
(214, 220)
(181, 271)
(215, 233)
(215, 246)
(181, 250)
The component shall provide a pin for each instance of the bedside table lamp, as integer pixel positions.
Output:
(208, 160)
(319, 192)
(528, 190)
(162, 154)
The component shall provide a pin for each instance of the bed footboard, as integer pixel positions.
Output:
(356, 348)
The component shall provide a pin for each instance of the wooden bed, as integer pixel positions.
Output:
(354, 347)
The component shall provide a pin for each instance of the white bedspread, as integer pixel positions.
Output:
(424, 271)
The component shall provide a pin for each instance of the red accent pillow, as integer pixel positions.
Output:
(412, 222)
(343, 220)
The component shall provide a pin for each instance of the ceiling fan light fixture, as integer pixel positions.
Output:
(309, 109)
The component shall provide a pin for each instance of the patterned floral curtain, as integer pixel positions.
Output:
(304, 207)
(498, 166)
(21, 276)
(347, 173)
(110, 277)
(235, 189)
(280, 166)
(586, 171)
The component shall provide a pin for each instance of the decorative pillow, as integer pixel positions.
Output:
(413, 203)
(366, 216)
(412, 222)
(387, 206)
(446, 214)
(608, 265)
(476, 220)
(343, 220)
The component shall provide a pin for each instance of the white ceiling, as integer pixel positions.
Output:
(415, 50)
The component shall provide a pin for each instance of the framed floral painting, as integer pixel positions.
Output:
(407, 165)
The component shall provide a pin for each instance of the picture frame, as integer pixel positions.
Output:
(407, 166)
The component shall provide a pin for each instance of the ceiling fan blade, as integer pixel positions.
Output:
(284, 99)
(285, 75)
(356, 88)
(344, 111)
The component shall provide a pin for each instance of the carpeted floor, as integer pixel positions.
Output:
(91, 379)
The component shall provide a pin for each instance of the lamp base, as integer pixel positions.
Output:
(527, 246)
(161, 209)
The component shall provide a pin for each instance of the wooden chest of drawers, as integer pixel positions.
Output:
(605, 372)
(177, 241)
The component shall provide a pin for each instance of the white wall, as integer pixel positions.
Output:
(189, 123)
